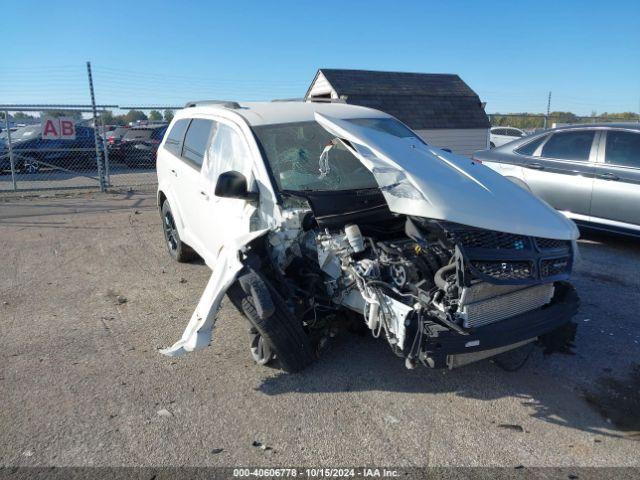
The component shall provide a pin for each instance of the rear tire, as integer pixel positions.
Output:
(178, 250)
(281, 333)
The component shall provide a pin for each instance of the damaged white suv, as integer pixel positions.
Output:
(314, 216)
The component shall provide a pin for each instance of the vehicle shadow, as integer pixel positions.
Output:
(363, 364)
(583, 392)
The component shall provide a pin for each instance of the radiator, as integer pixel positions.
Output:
(484, 303)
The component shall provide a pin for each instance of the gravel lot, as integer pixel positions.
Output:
(88, 294)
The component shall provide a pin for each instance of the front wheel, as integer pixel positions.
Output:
(30, 166)
(178, 250)
(260, 348)
(278, 336)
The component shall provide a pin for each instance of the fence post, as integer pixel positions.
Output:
(105, 151)
(95, 130)
(11, 159)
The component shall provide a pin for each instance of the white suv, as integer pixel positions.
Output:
(314, 216)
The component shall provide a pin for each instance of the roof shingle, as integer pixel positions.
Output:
(421, 100)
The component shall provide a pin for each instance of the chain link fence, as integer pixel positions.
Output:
(54, 147)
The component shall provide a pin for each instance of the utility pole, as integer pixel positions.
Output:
(101, 178)
(546, 117)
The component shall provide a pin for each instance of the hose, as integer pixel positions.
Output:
(439, 277)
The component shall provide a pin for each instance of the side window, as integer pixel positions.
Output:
(569, 145)
(196, 141)
(623, 148)
(228, 151)
(514, 133)
(176, 135)
(498, 131)
(529, 148)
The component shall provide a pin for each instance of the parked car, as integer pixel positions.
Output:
(591, 173)
(498, 136)
(138, 145)
(32, 152)
(113, 139)
(313, 215)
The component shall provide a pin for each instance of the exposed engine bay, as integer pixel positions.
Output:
(441, 294)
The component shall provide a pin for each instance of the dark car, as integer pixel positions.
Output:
(591, 173)
(113, 139)
(31, 152)
(139, 145)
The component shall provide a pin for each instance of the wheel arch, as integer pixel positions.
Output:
(165, 194)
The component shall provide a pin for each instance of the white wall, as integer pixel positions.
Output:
(463, 141)
(321, 87)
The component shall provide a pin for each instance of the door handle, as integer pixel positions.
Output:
(175, 174)
(536, 166)
(204, 194)
(607, 176)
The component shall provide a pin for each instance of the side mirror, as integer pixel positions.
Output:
(233, 185)
(446, 149)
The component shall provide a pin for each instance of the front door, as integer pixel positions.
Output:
(225, 219)
(561, 171)
(616, 190)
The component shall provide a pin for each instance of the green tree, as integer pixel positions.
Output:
(155, 116)
(106, 117)
(133, 116)
(168, 115)
(75, 114)
(21, 116)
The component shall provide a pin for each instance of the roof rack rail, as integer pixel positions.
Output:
(221, 103)
(299, 99)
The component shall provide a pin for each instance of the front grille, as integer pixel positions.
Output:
(505, 270)
(503, 258)
(502, 305)
(554, 266)
(475, 238)
(551, 243)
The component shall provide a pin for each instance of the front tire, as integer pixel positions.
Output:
(178, 250)
(281, 334)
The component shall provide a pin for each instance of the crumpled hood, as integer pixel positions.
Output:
(417, 179)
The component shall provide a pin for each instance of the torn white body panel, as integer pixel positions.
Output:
(419, 180)
(198, 333)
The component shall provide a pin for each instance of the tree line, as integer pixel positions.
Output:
(133, 116)
(536, 120)
(520, 120)
(106, 116)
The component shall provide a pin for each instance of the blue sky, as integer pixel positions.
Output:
(511, 53)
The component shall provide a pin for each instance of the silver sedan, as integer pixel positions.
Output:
(591, 173)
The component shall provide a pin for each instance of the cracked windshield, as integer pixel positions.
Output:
(294, 152)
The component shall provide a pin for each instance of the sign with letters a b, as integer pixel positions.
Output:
(58, 128)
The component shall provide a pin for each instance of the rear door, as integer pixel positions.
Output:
(561, 170)
(616, 190)
(192, 188)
